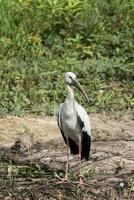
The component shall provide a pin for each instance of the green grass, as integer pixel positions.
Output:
(40, 40)
(37, 86)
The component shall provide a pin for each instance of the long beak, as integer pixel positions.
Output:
(82, 91)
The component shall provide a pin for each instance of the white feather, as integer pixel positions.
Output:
(84, 118)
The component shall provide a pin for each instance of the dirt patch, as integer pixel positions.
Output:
(41, 150)
(45, 129)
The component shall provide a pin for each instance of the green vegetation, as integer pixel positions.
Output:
(41, 39)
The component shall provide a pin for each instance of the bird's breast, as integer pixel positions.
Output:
(70, 121)
(71, 127)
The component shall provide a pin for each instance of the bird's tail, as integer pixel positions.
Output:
(85, 146)
(73, 146)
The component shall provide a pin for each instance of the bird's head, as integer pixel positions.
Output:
(71, 79)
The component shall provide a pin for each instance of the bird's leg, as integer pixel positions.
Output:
(67, 165)
(65, 179)
(81, 181)
(80, 175)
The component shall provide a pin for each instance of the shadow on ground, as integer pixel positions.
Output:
(30, 172)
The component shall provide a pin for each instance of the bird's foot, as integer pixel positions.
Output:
(62, 180)
(81, 182)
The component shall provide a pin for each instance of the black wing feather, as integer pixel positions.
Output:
(85, 146)
(85, 142)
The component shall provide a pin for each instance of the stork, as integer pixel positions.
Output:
(74, 124)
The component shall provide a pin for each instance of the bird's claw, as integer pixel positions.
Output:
(62, 180)
(81, 182)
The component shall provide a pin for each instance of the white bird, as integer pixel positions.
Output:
(74, 124)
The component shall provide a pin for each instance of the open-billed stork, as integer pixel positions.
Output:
(74, 124)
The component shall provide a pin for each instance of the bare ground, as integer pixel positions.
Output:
(32, 153)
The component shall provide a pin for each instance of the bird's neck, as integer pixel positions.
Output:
(69, 104)
(70, 95)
